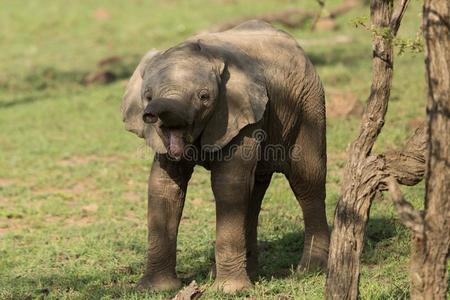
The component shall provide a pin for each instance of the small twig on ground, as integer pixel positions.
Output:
(191, 292)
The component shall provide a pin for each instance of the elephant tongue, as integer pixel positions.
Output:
(176, 143)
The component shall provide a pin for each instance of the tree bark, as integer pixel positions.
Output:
(364, 173)
(431, 248)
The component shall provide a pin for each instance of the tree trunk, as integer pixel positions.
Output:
(431, 229)
(431, 249)
(364, 173)
(359, 186)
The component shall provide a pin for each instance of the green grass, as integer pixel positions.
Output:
(73, 182)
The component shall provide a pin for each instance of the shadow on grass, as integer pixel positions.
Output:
(277, 259)
(82, 287)
(382, 237)
(18, 101)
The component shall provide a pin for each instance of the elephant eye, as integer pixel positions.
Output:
(203, 95)
(148, 95)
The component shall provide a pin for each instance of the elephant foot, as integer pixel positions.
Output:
(313, 263)
(232, 285)
(159, 283)
(252, 269)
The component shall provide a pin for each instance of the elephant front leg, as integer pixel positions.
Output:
(231, 253)
(166, 194)
(232, 183)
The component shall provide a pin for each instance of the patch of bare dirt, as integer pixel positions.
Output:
(3, 201)
(133, 218)
(326, 24)
(415, 123)
(6, 181)
(133, 196)
(197, 201)
(80, 221)
(15, 222)
(101, 14)
(342, 104)
(89, 209)
(11, 223)
(81, 160)
(51, 219)
(76, 189)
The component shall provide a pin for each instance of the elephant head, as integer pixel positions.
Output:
(202, 92)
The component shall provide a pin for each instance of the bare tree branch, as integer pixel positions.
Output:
(407, 165)
(397, 16)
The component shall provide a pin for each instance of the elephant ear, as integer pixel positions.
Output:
(133, 107)
(243, 96)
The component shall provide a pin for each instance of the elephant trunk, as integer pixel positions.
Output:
(174, 116)
(172, 113)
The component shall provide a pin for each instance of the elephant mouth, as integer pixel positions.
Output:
(174, 141)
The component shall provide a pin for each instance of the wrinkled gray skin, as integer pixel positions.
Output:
(217, 89)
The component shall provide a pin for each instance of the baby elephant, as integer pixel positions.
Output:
(243, 103)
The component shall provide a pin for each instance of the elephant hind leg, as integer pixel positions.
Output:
(260, 187)
(308, 184)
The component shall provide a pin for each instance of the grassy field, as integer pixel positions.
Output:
(73, 181)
